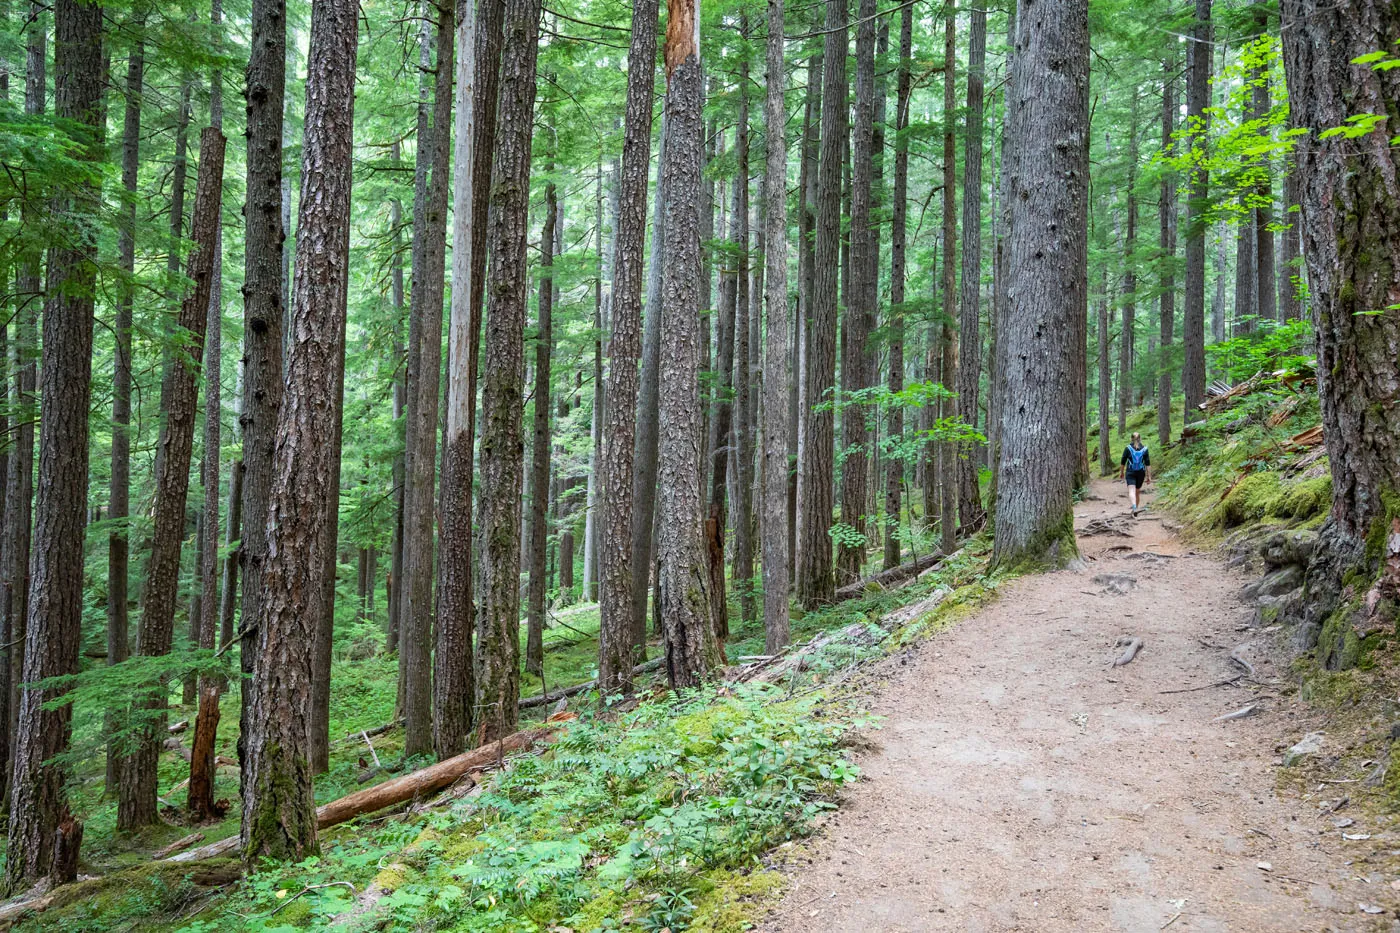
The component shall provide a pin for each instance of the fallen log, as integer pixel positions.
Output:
(888, 578)
(545, 699)
(182, 843)
(419, 783)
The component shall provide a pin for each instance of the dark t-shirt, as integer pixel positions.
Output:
(1127, 457)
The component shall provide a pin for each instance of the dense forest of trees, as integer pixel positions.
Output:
(702, 312)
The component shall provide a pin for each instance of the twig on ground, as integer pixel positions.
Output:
(1240, 713)
(1219, 683)
(372, 752)
(314, 887)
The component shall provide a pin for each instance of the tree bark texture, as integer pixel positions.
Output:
(179, 398)
(263, 309)
(899, 212)
(617, 641)
(53, 634)
(1127, 339)
(1042, 435)
(969, 376)
(683, 591)
(777, 362)
(539, 467)
(424, 392)
(502, 454)
(279, 811)
(1166, 216)
(1350, 221)
(745, 350)
(816, 584)
(453, 686)
(1193, 328)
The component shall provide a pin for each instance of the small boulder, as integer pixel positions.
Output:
(1309, 744)
(1278, 583)
(1288, 548)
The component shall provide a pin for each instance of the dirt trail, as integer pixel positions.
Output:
(1023, 783)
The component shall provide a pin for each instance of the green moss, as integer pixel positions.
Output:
(1380, 526)
(732, 901)
(1330, 689)
(1305, 499)
(1251, 499)
(1051, 548)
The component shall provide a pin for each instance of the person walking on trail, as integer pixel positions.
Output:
(1135, 465)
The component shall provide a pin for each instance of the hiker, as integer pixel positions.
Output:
(1134, 465)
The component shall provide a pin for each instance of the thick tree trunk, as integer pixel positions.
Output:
(777, 364)
(683, 590)
(1042, 435)
(397, 404)
(894, 475)
(970, 510)
(53, 634)
(498, 622)
(857, 361)
(453, 686)
(1193, 328)
(1105, 380)
(424, 392)
(1166, 215)
(179, 396)
(806, 284)
(263, 312)
(119, 487)
(1350, 221)
(1127, 339)
(539, 468)
(816, 584)
(621, 576)
(279, 812)
(1000, 294)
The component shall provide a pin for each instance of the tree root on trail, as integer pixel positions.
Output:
(1131, 645)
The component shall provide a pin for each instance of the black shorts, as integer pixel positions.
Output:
(1136, 477)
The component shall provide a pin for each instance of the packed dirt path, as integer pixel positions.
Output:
(1021, 782)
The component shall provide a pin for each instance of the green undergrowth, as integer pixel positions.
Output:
(660, 818)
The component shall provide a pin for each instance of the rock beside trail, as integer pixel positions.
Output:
(1309, 744)
(1288, 548)
(1278, 583)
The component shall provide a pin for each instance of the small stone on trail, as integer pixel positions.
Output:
(1310, 744)
(1264, 866)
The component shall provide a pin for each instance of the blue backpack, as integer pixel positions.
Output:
(1137, 457)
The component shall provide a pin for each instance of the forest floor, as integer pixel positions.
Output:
(1021, 782)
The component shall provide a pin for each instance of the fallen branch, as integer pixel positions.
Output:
(888, 578)
(1131, 647)
(178, 844)
(545, 699)
(1242, 663)
(1219, 683)
(426, 781)
(1240, 713)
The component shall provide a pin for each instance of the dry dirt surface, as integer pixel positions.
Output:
(1020, 781)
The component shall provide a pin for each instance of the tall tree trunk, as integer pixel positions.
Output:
(816, 584)
(200, 798)
(1000, 295)
(1351, 227)
(969, 311)
(539, 468)
(179, 396)
(53, 634)
(1105, 380)
(947, 452)
(621, 576)
(498, 622)
(453, 686)
(397, 405)
(119, 488)
(178, 171)
(722, 411)
(806, 284)
(1127, 338)
(777, 364)
(424, 391)
(745, 348)
(591, 525)
(1193, 328)
(857, 361)
(279, 812)
(263, 312)
(1042, 435)
(691, 650)
(895, 468)
(1246, 250)
(1166, 263)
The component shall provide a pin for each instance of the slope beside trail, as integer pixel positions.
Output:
(1021, 782)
